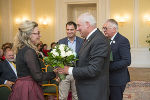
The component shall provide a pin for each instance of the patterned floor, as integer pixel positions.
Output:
(137, 90)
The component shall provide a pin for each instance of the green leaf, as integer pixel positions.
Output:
(62, 76)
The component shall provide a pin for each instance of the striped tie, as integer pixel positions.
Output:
(13, 64)
(85, 40)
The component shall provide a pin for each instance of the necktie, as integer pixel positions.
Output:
(84, 41)
(13, 64)
(111, 56)
(110, 41)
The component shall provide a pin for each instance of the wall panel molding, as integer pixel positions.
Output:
(61, 13)
(33, 9)
(6, 21)
(136, 24)
(140, 57)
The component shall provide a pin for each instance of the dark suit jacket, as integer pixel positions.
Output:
(92, 70)
(6, 72)
(79, 42)
(118, 72)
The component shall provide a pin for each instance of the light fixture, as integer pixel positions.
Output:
(121, 19)
(147, 18)
(18, 20)
(44, 21)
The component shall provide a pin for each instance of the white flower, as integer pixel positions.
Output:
(63, 54)
(55, 53)
(69, 53)
(67, 49)
(74, 53)
(53, 50)
(62, 46)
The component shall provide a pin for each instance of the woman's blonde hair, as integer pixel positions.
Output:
(22, 38)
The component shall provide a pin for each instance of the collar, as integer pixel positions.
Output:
(73, 40)
(113, 36)
(9, 61)
(91, 33)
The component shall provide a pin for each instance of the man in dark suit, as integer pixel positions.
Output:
(75, 43)
(8, 73)
(118, 68)
(92, 70)
(1, 55)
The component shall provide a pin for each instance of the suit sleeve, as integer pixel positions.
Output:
(62, 41)
(98, 53)
(59, 42)
(124, 59)
(1, 72)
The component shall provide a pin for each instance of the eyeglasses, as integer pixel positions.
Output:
(105, 28)
(36, 33)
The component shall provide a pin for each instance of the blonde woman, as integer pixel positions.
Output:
(27, 86)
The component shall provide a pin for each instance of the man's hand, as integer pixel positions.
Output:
(57, 78)
(9, 83)
(63, 70)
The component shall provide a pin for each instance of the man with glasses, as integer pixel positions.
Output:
(121, 59)
(8, 73)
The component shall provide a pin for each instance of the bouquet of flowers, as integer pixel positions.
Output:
(60, 56)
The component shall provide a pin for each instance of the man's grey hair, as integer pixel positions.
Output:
(113, 23)
(87, 17)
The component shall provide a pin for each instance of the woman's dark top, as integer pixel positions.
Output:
(27, 64)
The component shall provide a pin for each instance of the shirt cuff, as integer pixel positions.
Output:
(5, 81)
(70, 70)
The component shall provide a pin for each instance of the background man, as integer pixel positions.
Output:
(118, 68)
(8, 73)
(1, 55)
(92, 70)
(74, 42)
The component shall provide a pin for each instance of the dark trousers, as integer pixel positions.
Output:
(116, 92)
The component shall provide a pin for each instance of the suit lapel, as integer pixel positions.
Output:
(9, 67)
(114, 47)
(66, 41)
(78, 44)
(114, 41)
